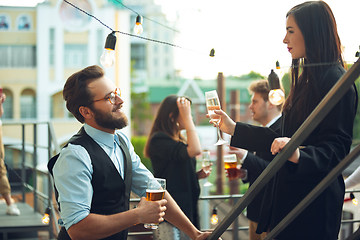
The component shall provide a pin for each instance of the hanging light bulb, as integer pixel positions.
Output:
(277, 65)
(357, 54)
(46, 217)
(138, 29)
(108, 57)
(214, 218)
(276, 95)
(353, 199)
(212, 53)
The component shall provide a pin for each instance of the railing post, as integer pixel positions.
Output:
(34, 167)
(23, 173)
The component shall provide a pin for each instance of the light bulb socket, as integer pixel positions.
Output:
(139, 20)
(47, 211)
(352, 196)
(277, 65)
(110, 41)
(212, 53)
(214, 211)
(273, 79)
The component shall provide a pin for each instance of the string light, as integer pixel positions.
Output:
(353, 199)
(173, 45)
(46, 217)
(214, 218)
(277, 65)
(212, 53)
(357, 54)
(276, 95)
(138, 29)
(107, 59)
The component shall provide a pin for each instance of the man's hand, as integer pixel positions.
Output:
(240, 153)
(152, 211)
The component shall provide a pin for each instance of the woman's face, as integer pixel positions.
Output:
(294, 39)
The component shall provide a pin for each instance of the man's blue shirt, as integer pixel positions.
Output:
(73, 173)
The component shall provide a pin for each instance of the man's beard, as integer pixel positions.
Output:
(107, 120)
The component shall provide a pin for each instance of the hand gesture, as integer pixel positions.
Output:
(227, 125)
(204, 174)
(240, 153)
(279, 143)
(184, 106)
(152, 211)
(204, 235)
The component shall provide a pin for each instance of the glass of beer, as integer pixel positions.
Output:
(230, 166)
(155, 191)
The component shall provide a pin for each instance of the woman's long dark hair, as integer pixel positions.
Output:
(165, 121)
(322, 47)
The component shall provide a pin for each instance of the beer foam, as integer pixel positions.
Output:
(155, 190)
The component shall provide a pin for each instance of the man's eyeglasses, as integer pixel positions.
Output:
(112, 96)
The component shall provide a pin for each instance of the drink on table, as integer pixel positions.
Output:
(155, 191)
(230, 162)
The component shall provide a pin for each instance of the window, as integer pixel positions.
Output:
(24, 22)
(8, 105)
(57, 106)
(138, 56)
(52, 47)
(75, 56)
(28, 104)
(5, 21)
(17, 56)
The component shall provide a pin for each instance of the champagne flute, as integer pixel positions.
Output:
(213, 103)
(206, 164)
(155, 191)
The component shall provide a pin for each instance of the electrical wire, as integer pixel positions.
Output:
(177, 46)
(148, 18)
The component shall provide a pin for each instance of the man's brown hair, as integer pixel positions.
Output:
(76, 92)
(262, 87)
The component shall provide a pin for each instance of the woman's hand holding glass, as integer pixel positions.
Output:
(212, 104)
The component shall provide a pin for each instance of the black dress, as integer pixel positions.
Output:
(170, 160)
(325, 147)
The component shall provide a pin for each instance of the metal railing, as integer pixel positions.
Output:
(36, 173)
(324, 107)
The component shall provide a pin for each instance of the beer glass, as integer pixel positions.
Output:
(230, 162)
(206, 164)
(213, 103)
(155, 191)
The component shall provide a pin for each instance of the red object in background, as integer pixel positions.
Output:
(1, 90)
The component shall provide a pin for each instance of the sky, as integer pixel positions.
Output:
(246, 35)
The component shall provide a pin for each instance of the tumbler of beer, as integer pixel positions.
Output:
(155, 191)
(230, 162)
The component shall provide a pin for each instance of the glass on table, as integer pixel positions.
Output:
(155, 191)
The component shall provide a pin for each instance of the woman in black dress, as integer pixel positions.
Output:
(173, 157)
(314, 44)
